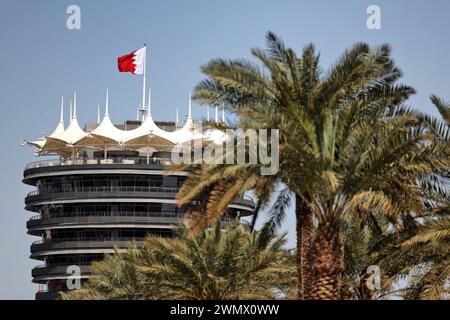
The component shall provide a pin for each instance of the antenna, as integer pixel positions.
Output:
(176, 121)
(98, 113)
(70, 111)
(74, 115)
(107, 103)
(207, 113)
(217, 115)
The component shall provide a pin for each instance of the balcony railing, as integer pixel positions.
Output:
(89, 239)
(246, 200)
(39, 248)
(224, 220)
(109, 214)
(113, 160)
(81, 262)
(59, 269)
(105, 189)
(159, 218)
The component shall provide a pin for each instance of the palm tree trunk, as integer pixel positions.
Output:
(328, 263)
(304, 231)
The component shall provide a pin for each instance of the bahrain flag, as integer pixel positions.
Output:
(132, 62)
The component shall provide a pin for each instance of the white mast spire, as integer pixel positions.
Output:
(217, 115)
(107, 103)
(70, 112)
(176, 121)
(190, 106)
(98, 114)
(60, 127)
(74, 115)
(207, 113)
(61, 120)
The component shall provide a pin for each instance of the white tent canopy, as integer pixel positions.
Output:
(106, 134)
(40, 143)
(69, 137)
(148, 130)
(60, 127)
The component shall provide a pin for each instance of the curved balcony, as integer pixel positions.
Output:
(114, 160)
(43, 273)
(97, 219)
(134, 165)
(105, 189)
(42, 248)
(110, 192)
(164, 220)
(132, 192)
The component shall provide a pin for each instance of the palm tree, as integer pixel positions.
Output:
(230, 263)
(348, 147)
(361, 242)
(414, 250)
(413, 260)
(420, 251)
(113, 279)
(432, 265)
(429, 272)
(416, 255)
(443, 108)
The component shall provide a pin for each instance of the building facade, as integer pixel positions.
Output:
(92, 199)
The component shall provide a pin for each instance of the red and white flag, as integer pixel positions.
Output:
(132, 62)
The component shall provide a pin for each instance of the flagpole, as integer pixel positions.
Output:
(143, 82)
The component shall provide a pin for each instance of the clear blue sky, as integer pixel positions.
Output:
(40, 60)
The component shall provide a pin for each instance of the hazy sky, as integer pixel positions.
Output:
(40, 60)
